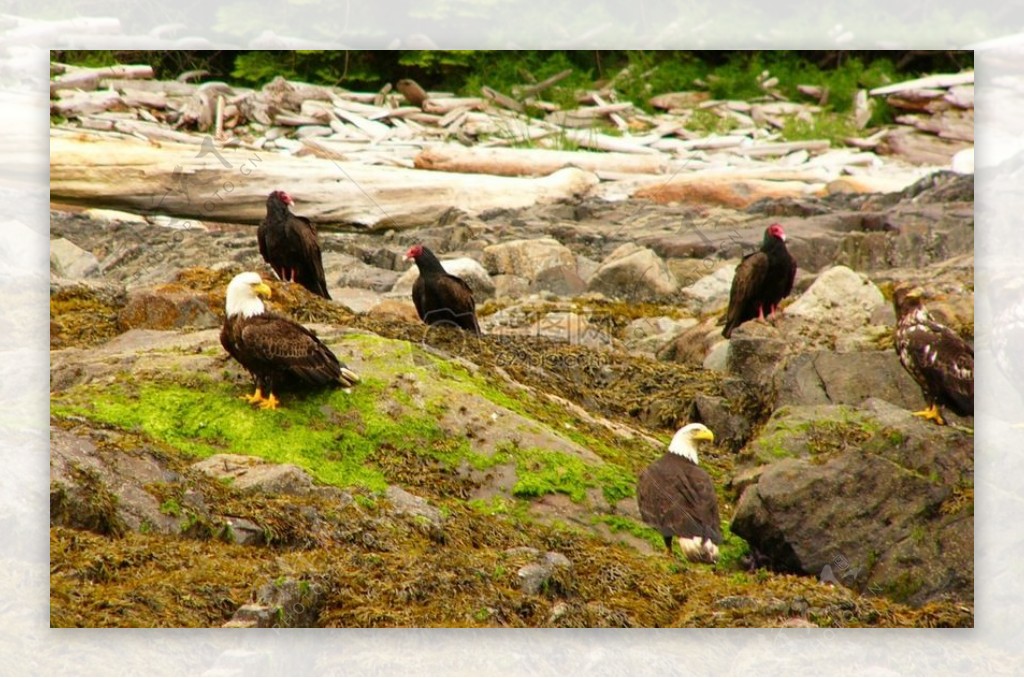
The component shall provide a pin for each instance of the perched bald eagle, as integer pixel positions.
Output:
(289, 244)
(677, 497)
(935, 356)
(762, 280)
(440, 297)
(274, 349)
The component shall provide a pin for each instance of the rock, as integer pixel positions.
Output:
(242, 531)
(560, 280)
(288, 603)
(717, 359)
(731, 428)
(711, 292)
(512, 286)
(840, 299)
(568, 327)
(882, 498)
(527, 258)
(633, 273)
(166, 308)
(650, 334)
(68, 260)
(417, 509)
(468, 269)
(245, 472)
(827, 377)
(535, 577)
(355, 299)
(586, 267)
(691, 346)
(400, 309)
(84, 477)
(344, 270)
(755, 351)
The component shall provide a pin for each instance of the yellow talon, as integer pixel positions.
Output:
(931, 413)
(269, 403)
(256, 397)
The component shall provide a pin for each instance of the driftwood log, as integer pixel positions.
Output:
(534, 161)
(220, 184)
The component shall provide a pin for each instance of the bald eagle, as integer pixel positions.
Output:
(677, 497)
(289, 244)
(274, 349)
(762, 280)
(440, 297)
(936, 357)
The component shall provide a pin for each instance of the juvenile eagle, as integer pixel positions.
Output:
(935, 356)
(440, 297)
(289, 244)
(677, 497)
(274, 349)
(762, 280)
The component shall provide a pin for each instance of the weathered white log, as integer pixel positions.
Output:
(780, 148)
(169, 87)
(533, 161)
(157, 133)
(443, 106)
(951, 124)
(678, 100)
(605, 142)
(942, 80)
(373, 129)
(501, 99)
(531, 90)
(862, 107)
(920, 148)
(86, 103)
(961, 96)
(80, 80)
(143, 99)
(295, 120)
(177, 181)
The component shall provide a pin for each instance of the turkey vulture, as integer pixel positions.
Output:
(936, 357)
(274, 349)
(289, 244)
(762, 280)
(677, 497)
(441, 298)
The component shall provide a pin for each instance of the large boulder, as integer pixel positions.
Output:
(527, 258)
(840, 299)
(826, 377)
(711, 292)
(634, 273)
(167, 307)
(875, 499)
(68, 260)
(468, 269)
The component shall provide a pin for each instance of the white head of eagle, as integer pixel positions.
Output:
(243, 296)
(684, 441)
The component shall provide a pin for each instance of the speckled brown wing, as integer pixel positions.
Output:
(269, 343)
(310, 271)
(939, 361)
(677, 497)
(445, 299)
(744, 295)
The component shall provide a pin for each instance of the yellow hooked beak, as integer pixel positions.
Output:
(262, 290)
(704, 434)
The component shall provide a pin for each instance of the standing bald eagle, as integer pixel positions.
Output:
(762, 280)
(677, 497)
(936, 357)
(274, 349)
(289, 244)
(441, 298)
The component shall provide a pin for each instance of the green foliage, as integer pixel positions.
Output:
(541, 472)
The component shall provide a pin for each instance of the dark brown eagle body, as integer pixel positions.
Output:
(762, 280)
(441, 298)
(275, 350)
(938, 359)
(289, 244)
(677, 497)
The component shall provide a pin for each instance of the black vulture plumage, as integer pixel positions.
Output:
(274, 349)
(762, 280)
(441, 298)
(289, 244)
(938, 359)
(677, 497)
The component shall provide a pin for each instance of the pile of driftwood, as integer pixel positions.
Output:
(359, 154)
